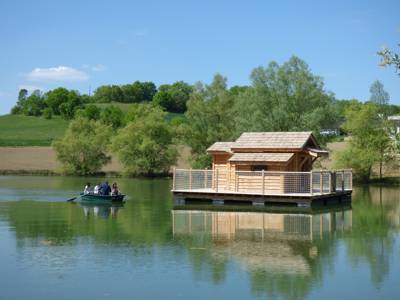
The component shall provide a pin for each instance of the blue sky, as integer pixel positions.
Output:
(84, 44)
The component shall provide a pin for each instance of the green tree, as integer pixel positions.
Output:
(22, 96)
(209, 119)
(138, 92)
(67, 109)
(285, 98)
(370, 143)
(83, 149)
(91, 112)
(113, 116)
(173, 97)
(48, 113)
(56, 97)
(63, 102)
(378, 94)
(145, 145)
(34, 104)
(108, 93)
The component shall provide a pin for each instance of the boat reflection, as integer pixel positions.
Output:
(102, 210)
(279, 242)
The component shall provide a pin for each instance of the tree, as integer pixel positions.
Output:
(18, 108)
(389, 58)
(63, 102)
(112, 116)
(83, 149)
(378, 94)
(57, 97)
(67, 109)
(285, 98)
(138, 92)
(173, 97)
(48, 113)
(370, 142)
(34, 104)
(209, 119)
(145, 145)
(108, 93)
(91, 112)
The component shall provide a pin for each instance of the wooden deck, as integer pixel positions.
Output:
(300, 188)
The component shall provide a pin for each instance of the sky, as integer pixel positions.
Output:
(84, 44)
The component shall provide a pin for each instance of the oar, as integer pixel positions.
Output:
(72, 199)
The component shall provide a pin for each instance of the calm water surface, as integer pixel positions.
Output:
(149, 249)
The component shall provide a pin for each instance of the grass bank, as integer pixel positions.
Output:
(20, 131)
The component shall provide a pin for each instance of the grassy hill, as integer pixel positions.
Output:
(19, 130)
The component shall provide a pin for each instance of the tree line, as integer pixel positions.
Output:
(65, 103)
(280, 97)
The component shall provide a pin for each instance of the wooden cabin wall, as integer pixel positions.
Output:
(273, 183)
(220, 163)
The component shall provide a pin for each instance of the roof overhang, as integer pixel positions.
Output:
(255, 158)
(317, 152)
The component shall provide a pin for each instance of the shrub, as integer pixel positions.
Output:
(82, 150)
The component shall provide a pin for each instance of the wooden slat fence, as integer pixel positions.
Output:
(263, 182)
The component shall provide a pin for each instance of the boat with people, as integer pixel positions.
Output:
(102, 198)
(101, 193)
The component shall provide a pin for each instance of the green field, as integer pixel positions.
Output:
(19, 130)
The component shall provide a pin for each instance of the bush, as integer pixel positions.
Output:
(145, 145)
(91, 112)
(82, 150)
(48, 113)
(112, 116)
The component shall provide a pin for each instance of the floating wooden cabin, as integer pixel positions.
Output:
(262, 167)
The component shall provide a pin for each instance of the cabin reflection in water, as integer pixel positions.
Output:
(276, 243)
(260, 225)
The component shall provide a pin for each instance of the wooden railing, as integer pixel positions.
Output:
(262, 182)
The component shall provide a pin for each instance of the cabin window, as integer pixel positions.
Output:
(259, 168)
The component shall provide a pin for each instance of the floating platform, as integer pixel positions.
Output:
(303, 189)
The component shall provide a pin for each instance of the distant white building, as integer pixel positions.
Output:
(396, 123)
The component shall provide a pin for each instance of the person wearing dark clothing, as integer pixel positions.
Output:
(105, 189)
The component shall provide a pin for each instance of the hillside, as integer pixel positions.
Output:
(19, 130)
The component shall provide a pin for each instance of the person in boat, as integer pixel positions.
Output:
(114, 190)
(96, 189)
(88, 189)
(105, 189)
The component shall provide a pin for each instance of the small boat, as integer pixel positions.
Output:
(102, 198)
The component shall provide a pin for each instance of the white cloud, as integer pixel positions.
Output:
(60, 73)
(30, 88)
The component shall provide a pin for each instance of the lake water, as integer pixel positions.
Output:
(149, 249)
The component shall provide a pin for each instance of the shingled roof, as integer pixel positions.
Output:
(273, 140)
(261, 157)
(221, 147)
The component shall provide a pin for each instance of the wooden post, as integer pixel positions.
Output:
(205, 178)
(190, 179)
(311, 182)
(330, 182)
(263, 183)
(342, 180)
(351, 180)
(216, 175)
(173, 178)
(321, 186)
(236, 181)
